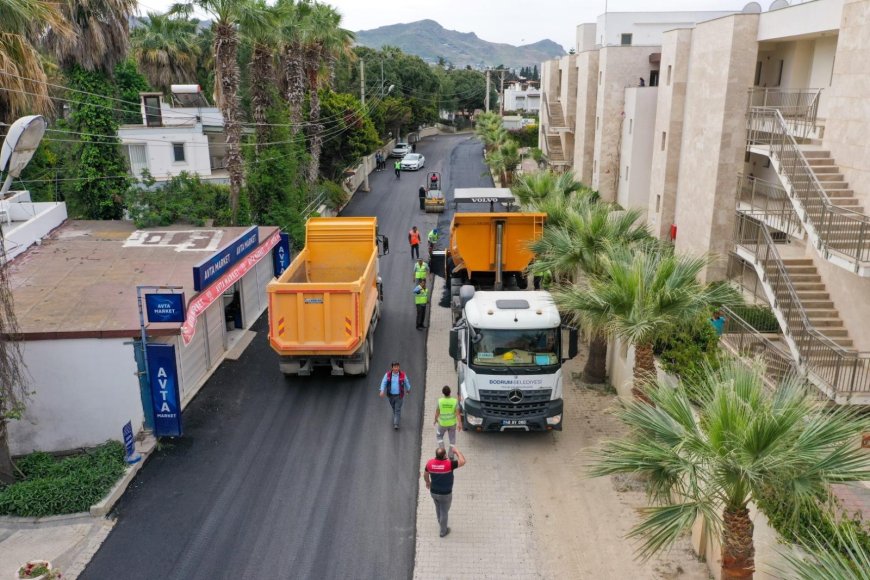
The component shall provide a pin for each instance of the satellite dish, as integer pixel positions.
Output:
(752, 8)
(777, 4)
(19, 146)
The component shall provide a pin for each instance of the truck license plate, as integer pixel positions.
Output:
(513, 422)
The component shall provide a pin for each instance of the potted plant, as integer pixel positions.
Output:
(38, 570)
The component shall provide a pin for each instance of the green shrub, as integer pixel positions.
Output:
(73, 484)
(761, 318)
(183, 199)
(336, 196)
(525, 137)
(683, 351)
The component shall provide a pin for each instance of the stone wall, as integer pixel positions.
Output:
(584, 126)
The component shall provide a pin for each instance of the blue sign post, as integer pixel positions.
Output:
(281, 256)
(130, 455)
(165, 398)
(211, 268)
(165, 307)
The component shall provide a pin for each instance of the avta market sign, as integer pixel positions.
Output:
(212, 268)
(204, 299)
(165, 399)
(165, 307)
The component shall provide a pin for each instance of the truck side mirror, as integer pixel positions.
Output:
(385, 245)
(454, 343)
(569, 342)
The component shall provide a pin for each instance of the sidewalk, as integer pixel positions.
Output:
(523, 506)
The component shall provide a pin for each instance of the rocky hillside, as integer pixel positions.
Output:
(429, 40)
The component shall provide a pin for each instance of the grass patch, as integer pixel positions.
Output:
(48, 486)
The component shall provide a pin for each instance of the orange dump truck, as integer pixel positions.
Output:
(490, 251)
(324, 308)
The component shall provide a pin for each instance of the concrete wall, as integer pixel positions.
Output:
(568, 93)
(585, 37)
(619, 67)
(668, 132)
(584, 125)
(800, 19)
(647, 28)
(73, 406)
(620, 367)
(721, 67)
(848, 106)
(637, 145)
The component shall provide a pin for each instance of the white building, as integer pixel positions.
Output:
(183, 135)
(522, 97)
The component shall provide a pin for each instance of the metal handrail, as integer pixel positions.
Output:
(842, 370)
(749, 342)
(837, 229)
(772, 200)
(792, 103)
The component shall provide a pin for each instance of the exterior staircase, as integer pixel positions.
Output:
(816, 301)
(555, 153)
(557, 118)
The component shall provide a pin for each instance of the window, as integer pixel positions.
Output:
(669, 75)
(658, 203)
(596, 122)
(630, 125)
(600, 75)
(178, 152)
(758, 74)
(653, 78)
(594, 165)
(626, 172)
(152, 112)
(138, 158)
(625, 39)
(664, 139)
(779, 77)
(515, 348)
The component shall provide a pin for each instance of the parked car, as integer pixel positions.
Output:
(413, 161)
(400, 150)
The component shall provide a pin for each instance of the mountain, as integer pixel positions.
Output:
(429, 40)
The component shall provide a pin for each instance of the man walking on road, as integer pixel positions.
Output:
(439, 481)
(398, 167)
(447, 421)
(394, 386)
(421, 298)
(414, 240)
(421, 270)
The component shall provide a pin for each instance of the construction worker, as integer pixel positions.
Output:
(394, 386)
(421, 297)
(398, 167)
(421, 270)
(447, 420)
(414, 240)
(433, 240)
(422, 195)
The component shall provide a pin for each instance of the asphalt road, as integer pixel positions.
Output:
(301, 478)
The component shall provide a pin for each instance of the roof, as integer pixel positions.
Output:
(81, 281)
(477, 310)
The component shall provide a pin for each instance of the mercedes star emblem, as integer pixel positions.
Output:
(515, 396)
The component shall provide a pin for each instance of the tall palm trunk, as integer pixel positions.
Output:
(595, 371)
(315, 129)
(226, 48)
(644, 370)
(294, 74)
(263, 77)
(738, 551)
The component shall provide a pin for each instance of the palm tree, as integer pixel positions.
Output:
(531, 188)
(166, 48)
(259, 27)
(226, 15)
(323, 40)
(646, 292)
(578, 245)
(101, 34)
(843, 557)
(713, 460)
(509, 152)
(23, 74)
(292, 15)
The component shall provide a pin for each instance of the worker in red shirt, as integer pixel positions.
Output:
(414, 240)
(439, 481)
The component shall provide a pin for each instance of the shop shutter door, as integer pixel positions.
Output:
(250, 298)
(216, 326)
(265, 273)
(194, 359)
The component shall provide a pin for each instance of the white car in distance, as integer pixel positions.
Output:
(400, 150)
(413, 161)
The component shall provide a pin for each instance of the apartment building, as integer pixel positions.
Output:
(523, 97)
(748, 143)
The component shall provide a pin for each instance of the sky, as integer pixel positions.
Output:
(509, 21)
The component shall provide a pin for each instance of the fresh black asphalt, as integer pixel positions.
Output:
(298, 478)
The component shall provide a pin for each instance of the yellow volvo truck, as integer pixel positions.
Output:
(324, 309)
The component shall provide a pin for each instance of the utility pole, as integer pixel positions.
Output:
(487, 91)
(362, 82)
(501, 95)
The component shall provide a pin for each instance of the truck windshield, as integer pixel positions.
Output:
(516, 348)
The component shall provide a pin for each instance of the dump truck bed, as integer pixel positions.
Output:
(473, 240)
(323, 303)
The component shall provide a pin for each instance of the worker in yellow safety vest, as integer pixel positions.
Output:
(421, 298)
(421, 270)
(447, 420)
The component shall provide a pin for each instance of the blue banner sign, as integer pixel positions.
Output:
(281, 255)
(211, 268)
(130, 455)
(165, 398)
(165, 307)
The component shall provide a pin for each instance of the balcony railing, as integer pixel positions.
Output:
(771, 200)
(798, 104)
(742, 336)
(837, 230)
(838, 370)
